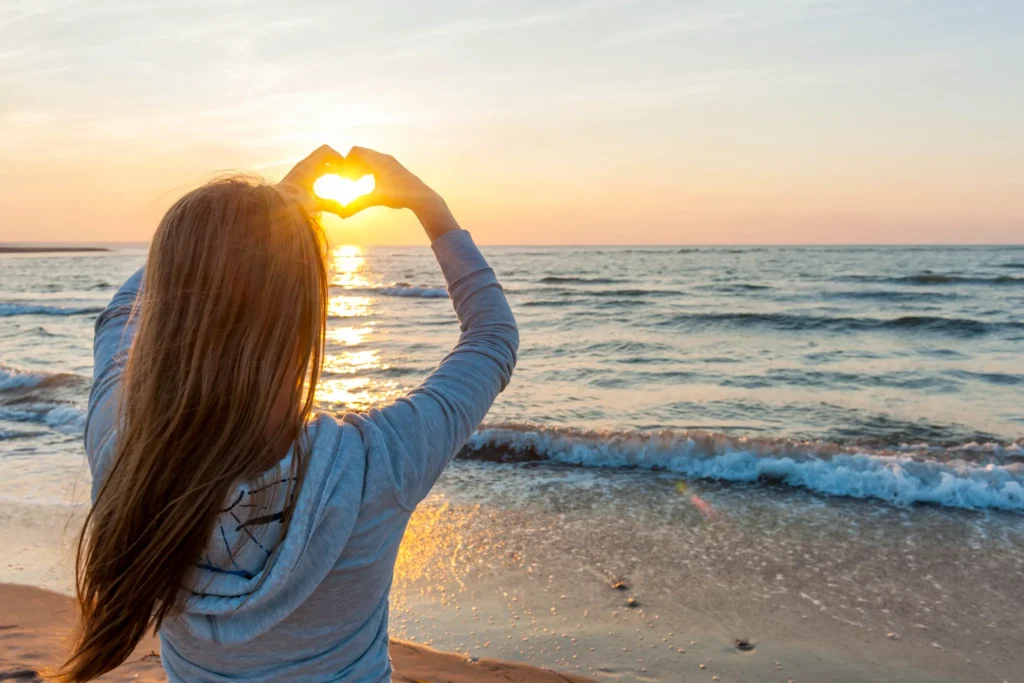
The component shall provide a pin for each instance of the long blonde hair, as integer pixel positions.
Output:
(233, 308)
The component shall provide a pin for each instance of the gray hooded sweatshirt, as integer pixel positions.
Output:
(312, 604)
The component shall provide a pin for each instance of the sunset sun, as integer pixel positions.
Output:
(342, 190)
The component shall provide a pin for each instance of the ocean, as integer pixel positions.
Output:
(885, 372)
(761, 442)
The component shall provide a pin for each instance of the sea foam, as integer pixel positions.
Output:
(894, 476)
(63, 418)
(12, 380)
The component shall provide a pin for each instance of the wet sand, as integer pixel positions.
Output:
(35, 623)
(778, 584)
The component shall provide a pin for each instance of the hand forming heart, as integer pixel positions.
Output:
(345, 185)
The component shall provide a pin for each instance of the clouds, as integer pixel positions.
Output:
(737, 98)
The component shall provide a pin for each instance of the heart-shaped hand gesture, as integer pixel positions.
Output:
(298, 184)
(390, 185)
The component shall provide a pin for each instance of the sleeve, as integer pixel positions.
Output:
(414, 438)
(115, 328)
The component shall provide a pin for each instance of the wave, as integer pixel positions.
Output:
(12, 379)
(892, 295)
(632, 292)
(8, 310)
(1012, 265)
(944, 476)
(63, 418)
(928, 279)
(558, 280)
(790, 322)
(1002, 378)
(739, 287)
(400, 289)
(551, 303)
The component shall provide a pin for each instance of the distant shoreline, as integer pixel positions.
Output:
(47, 250)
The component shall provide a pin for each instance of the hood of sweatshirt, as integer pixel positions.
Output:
(253, 574)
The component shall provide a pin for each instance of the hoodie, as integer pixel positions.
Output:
(312, 604)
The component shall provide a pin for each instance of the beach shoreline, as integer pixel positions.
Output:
(35, 624)
(498, 564)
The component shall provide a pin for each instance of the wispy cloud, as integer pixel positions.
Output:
(719, 16)
(479, 25)
(691, 24)
(463, 27)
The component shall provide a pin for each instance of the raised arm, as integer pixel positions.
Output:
(414, 438)
(114, 330)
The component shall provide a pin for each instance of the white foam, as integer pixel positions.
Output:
(66, 419)
(62, 418)
(11, 379)
(825, 468)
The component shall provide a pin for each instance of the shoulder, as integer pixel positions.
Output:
(330, 436)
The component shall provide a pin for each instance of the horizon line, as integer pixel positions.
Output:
(71, 244)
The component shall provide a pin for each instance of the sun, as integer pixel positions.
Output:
(343, 190)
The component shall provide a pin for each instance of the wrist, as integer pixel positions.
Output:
(435, 216)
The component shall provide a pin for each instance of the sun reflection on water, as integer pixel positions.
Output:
(350, 362)
(356, 393)
(341, 306)
(347, 266)
(349, 382)
(349, 336)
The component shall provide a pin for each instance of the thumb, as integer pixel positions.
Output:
(330, 206)
(358, 204)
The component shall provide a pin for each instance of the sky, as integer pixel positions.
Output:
(540, 122)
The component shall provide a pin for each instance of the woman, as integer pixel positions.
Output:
(260, 541)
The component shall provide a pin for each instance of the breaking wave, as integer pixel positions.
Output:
(12, 379)
(63, 418)
(972, 476)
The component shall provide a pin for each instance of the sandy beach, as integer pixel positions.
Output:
(510, 570)
(35, 625)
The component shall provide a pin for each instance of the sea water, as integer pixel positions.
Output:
(885, 372)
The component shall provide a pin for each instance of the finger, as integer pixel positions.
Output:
(359, 204)
(330, 206)
(367, 154)
(356, 167)
(321, 157)
(369, 160)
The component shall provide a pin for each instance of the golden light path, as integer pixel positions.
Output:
(346, 384)
(343, 190)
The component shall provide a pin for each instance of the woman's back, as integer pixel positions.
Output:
(340, 631)
(293, 582)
